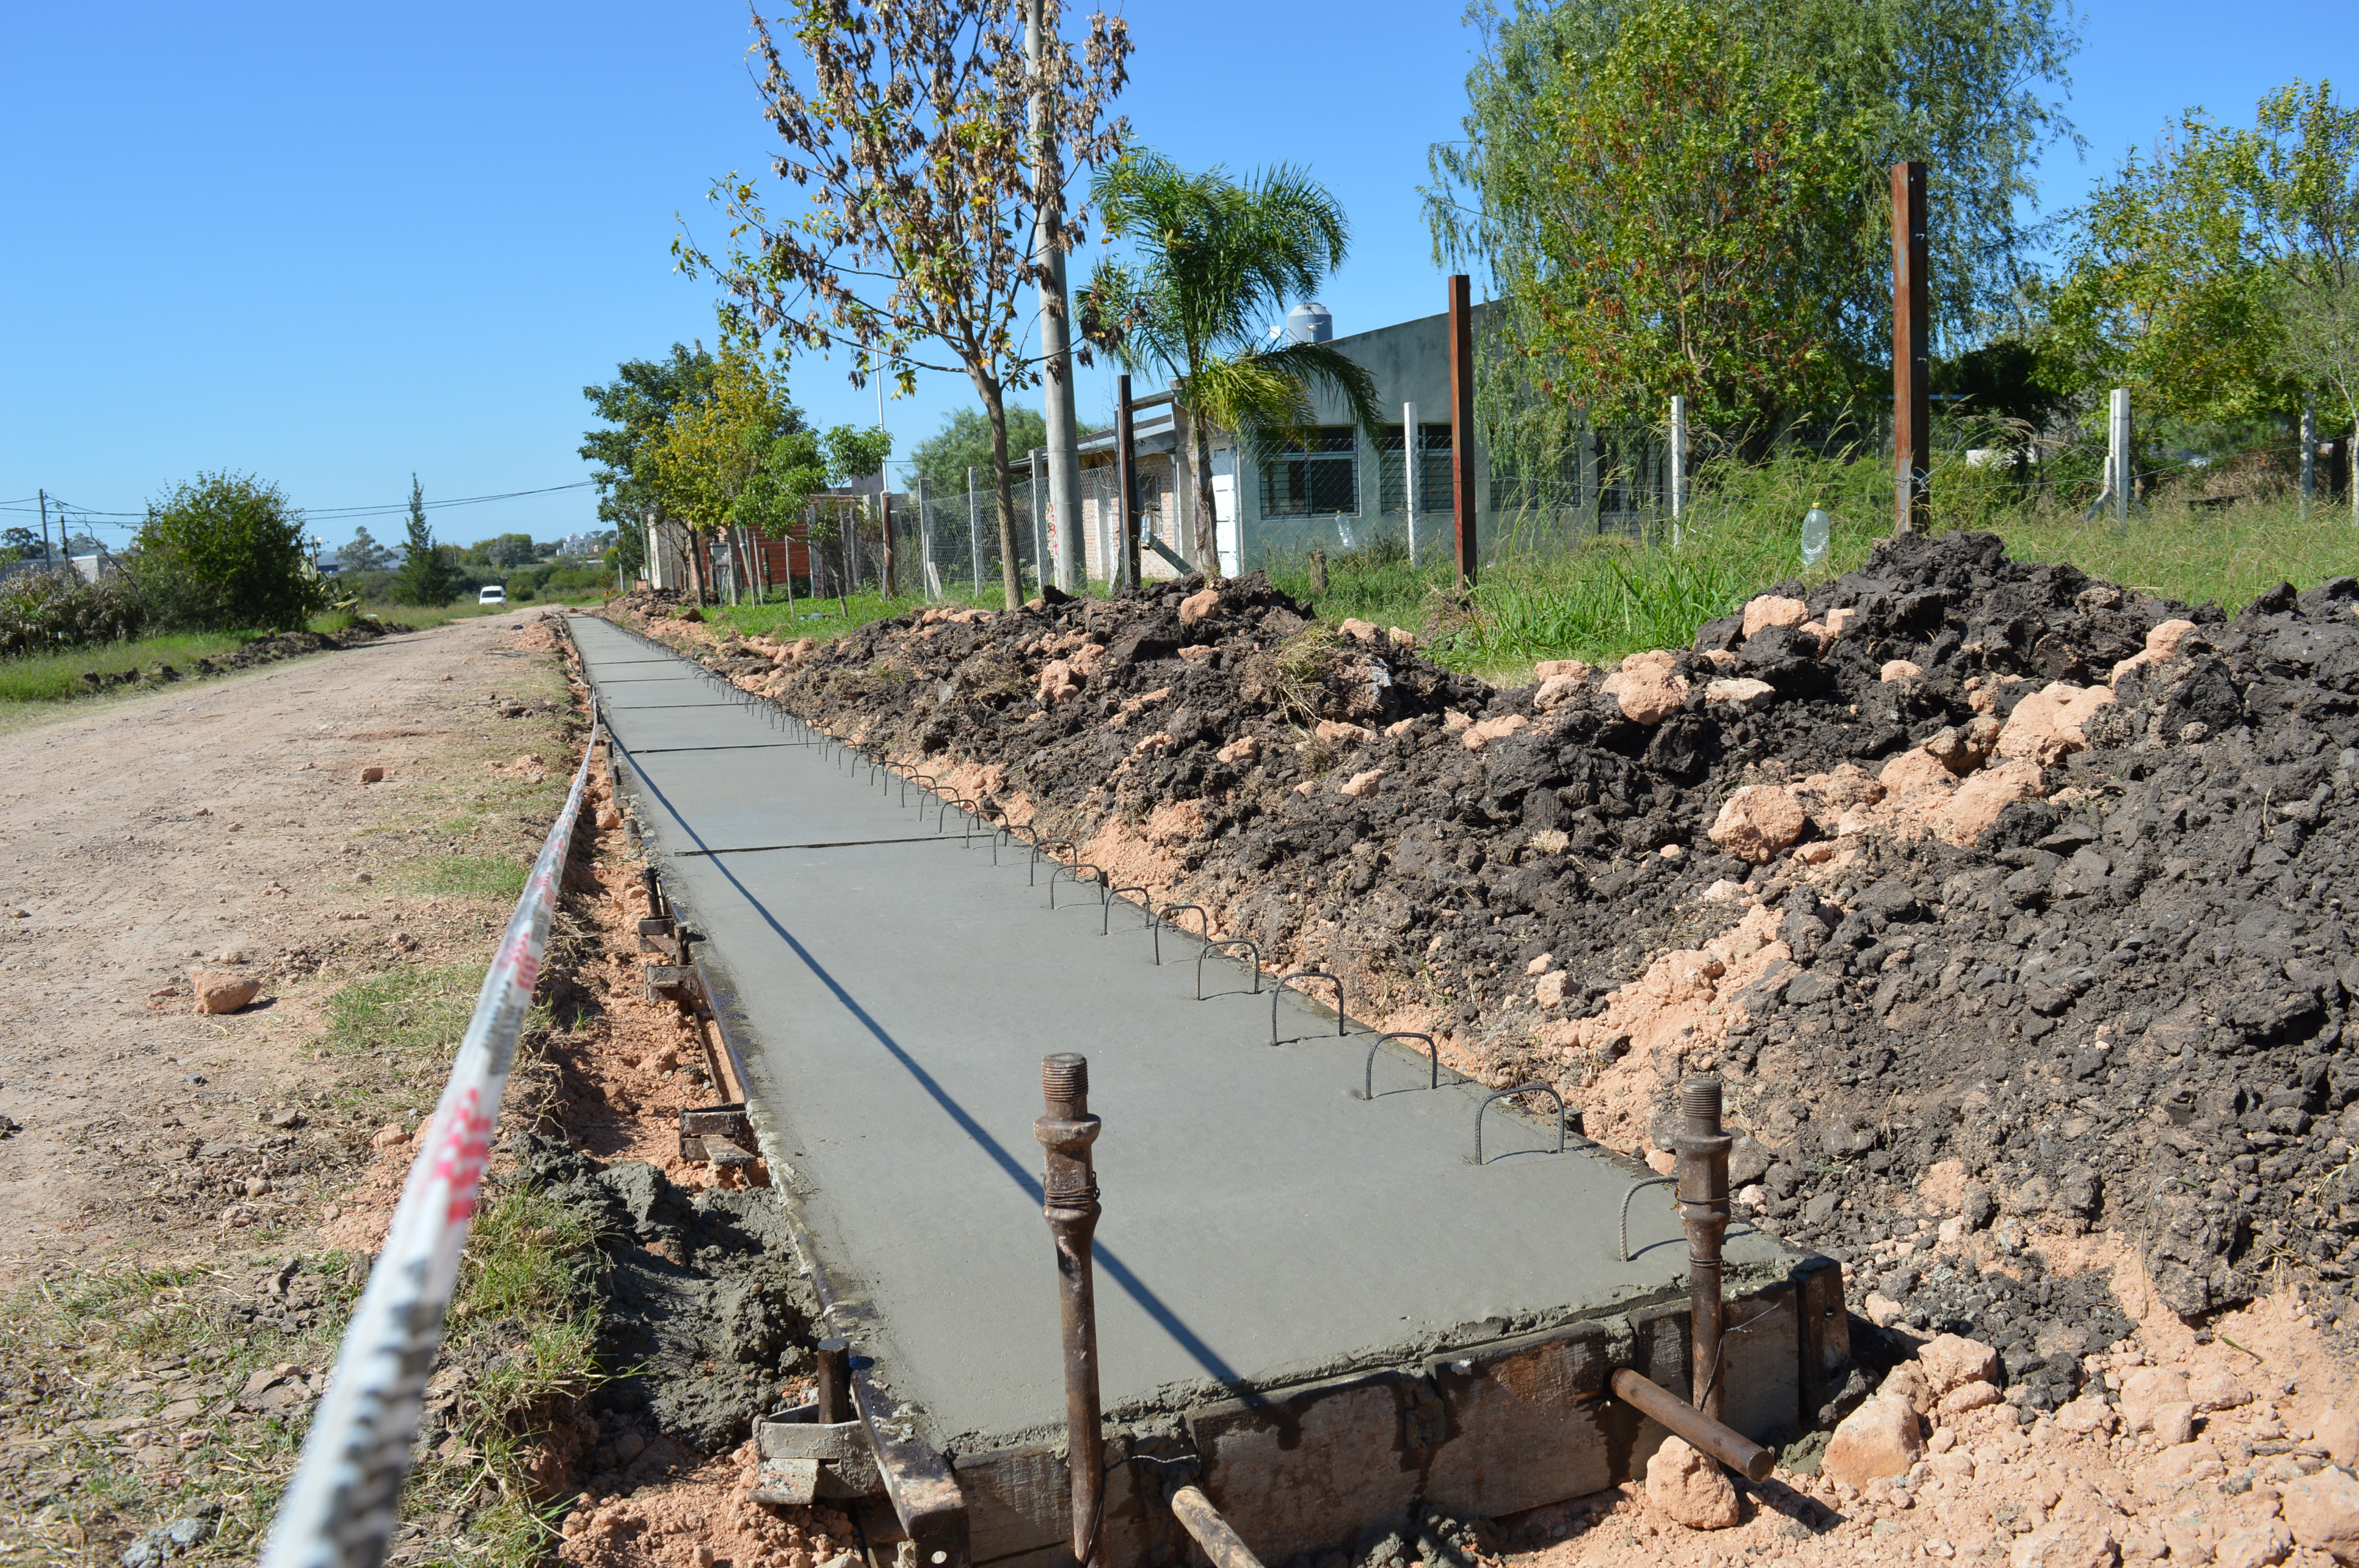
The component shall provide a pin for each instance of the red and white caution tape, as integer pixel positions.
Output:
(339, 1510)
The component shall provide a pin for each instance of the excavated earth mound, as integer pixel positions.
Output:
(2008, 902)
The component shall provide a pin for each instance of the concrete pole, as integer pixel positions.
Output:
(1912, 401)
(2309, 457)
(974, 528)
(926, 535)
(1040, 567)
(1461, 425)
(2117, 450)
(1064, 456)
(1679, 465)
(1409, 475)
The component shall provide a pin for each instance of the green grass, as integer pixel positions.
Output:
(826, 617)
(55, 677)
(415, 1009)
(1610, 597)
(467, 876)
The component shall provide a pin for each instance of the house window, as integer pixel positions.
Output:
(1315, 479)
(1435, 485)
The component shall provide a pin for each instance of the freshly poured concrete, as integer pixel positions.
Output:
(1261, 1224)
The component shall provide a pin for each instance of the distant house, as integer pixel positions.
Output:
(1339, 489)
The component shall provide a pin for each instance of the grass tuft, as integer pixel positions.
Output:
(420, 1008)
(468, 876)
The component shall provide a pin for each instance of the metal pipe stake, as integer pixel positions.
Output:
(1733, 1449)
(834, 1392)
(1070, 1187)
(1702, 1172)
(1197, 1515)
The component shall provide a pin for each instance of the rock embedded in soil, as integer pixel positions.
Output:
(1689, 1486)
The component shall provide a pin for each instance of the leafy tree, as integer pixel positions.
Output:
(22, 543)
(912, 131)
(640, 399)
(427, 575)
(1680, 199)
(964, 442)
(506, 551)
(2218, 277)
(365, 554)
(1215, 261)
(226, 551)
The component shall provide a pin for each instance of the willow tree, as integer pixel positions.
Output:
(911, 134)
(1679, 197)
(1213, 262)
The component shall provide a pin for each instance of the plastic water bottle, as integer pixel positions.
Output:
(1814, 536)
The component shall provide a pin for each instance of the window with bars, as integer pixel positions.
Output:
(1433, 477)
(1314, 479)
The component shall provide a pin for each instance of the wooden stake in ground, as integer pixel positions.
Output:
(1912, 403)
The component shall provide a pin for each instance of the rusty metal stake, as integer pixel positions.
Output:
(834, 1395)
(1197, 1515)
(1702, 1171)
(1070, 1191)
(1733, 1449)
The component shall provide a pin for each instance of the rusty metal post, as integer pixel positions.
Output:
(1702, 1172)
(1070, 1187)
(834, 1395)
(1733, 1449)
(1197, 1515)
(1912, 365)
(1461, 423)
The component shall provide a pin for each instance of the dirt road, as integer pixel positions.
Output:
(224, 825)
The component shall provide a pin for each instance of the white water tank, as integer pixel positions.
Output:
(1309, 323)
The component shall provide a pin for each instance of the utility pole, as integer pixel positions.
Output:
(1912, 401)
(1461, 423)
(1127, 481)
(1056, 322)
(48, 559)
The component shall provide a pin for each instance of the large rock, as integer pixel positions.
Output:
(2262, 1545)
(1548, 669)
(1689, 1486)
(1758, 821)
(1771, 610)
(220, 991)
(2217, 1389)
(1741, 692)
(2066, 1543)
(2338, 1433)
(1555, 692)
(2045, 727)
(1058, 682)
(1648, 687)
(1362, 786)
(2324, 1510)
(1199, 605)
(1949, 1359)
(1477, 736)
(2161, 646)
(1881, 1439)
(1973, 809)
(2148, 1389)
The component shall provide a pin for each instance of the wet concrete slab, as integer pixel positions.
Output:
(1264, 1225)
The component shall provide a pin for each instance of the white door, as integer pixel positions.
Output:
(1224, 506)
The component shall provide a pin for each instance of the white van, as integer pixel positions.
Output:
(492, 594)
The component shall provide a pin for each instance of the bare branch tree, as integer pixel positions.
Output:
(908, 127)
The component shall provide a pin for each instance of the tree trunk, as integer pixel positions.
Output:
(1011, 580)
(695, 566)
(1200, 485)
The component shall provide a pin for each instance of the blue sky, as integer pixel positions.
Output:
(334, 245)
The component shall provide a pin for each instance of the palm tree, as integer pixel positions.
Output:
(1214, 260)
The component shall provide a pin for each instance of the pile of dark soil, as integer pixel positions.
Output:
(2120, 1005)
(261, 651)
(703, 1313)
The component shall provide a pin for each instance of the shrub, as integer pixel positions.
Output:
(226, 551)
(43, 611)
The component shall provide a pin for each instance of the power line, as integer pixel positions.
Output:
(322, 514)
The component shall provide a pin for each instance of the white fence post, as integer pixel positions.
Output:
(1409, 475)
(1679, 465)
(2117, 455)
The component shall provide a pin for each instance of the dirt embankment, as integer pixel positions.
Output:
(2008, 902)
